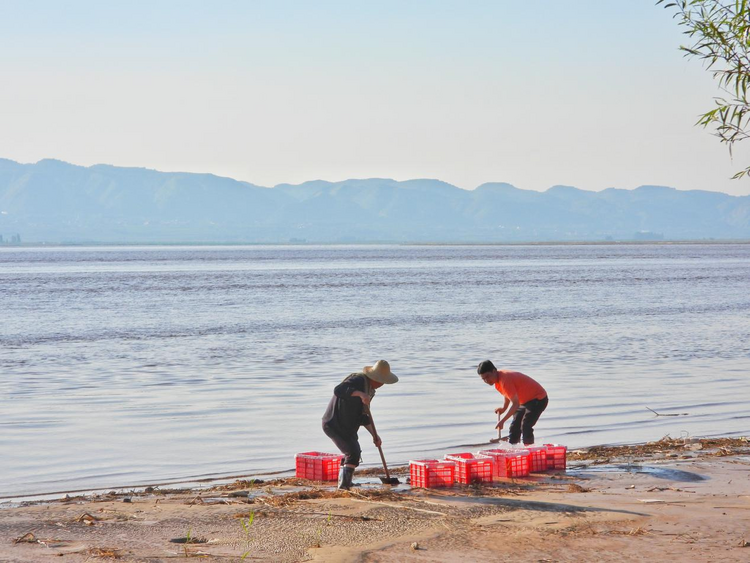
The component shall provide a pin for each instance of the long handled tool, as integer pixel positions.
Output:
(387, 480)
(499, 431)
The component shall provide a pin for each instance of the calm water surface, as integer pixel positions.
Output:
(128, 366)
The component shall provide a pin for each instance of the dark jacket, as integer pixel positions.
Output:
(345, 414)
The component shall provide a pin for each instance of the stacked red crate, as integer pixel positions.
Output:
(432, 473)
(472, 469)
(538, 458)
(317, 466)
(509, 462)
(556, 456)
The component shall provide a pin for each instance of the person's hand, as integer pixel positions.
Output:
(364, 397)
(377, 441)
(499, 410)
(499, 426)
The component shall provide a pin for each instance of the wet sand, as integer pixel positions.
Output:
(665, 500)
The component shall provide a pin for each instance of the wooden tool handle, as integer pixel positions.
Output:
(382, 457)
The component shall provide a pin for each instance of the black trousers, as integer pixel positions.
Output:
(525, 419)
(347, 445)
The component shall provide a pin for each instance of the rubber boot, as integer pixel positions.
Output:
(345, 478)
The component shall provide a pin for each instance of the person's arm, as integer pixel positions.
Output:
(369, 426)
(349, 388)
(511, 411)
(505, 406)
(375, 438)
(364, 396)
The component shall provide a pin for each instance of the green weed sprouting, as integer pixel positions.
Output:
(246, 525)
(319, 538)
(247, 522)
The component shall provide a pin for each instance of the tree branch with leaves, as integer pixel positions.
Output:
(720, 35)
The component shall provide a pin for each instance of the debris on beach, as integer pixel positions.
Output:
(240, 484)
(106, 552)
(639, 531)
(668, 414)
(400, 470)
(29, 537)
(320, 516)
(188, 539)
(605, 454)
(26, 538)
(291, 498)
(297, 496)
(576, 488)
(87, 519)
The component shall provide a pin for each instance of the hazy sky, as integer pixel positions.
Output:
(589, 93)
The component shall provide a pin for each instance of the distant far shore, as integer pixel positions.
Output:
(53, 201)
(372, 243)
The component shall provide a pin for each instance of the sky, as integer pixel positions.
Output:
(588, 93)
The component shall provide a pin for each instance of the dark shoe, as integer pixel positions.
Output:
(345, 478)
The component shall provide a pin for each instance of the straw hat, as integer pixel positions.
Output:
(380, 372)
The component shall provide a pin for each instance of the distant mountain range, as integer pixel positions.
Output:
(57, 202)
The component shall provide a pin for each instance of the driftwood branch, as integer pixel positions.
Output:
(667, 414)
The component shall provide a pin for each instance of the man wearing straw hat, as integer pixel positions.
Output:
(348, 410)
(527, 400)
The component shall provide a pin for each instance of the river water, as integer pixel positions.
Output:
(135, 365)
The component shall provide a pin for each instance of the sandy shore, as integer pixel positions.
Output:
(665, 500)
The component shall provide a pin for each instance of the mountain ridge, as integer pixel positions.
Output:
(53, 201)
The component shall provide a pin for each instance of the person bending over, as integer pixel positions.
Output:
(349, 409)
(527, 400)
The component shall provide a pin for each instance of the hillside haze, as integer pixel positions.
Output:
(57, 202)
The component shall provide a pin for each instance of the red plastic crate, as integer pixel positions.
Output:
(557, 456)
(472, 469)
(509, 463)
(538, 459)
(318, 466)
(432, 473)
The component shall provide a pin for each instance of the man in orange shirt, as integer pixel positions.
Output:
(527, 400)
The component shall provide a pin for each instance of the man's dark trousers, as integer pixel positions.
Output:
(524, 420)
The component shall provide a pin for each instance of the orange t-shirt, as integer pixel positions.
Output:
(512, 382)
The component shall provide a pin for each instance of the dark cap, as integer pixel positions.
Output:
(485, 366)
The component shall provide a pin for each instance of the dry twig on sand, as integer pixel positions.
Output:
(28, 537)
(108, 552)
(575, 488)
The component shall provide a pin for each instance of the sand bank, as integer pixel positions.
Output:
(665, 500)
